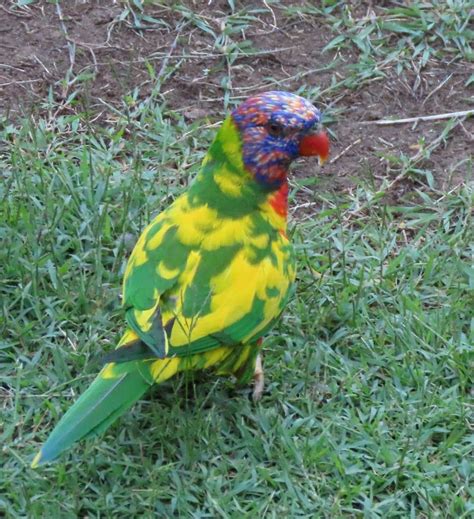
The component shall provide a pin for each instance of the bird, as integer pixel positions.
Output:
(212, 273)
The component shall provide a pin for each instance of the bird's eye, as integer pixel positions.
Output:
(275, 129)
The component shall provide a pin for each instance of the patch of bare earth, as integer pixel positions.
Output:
(87, 48)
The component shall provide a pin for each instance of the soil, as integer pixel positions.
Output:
(85, 48)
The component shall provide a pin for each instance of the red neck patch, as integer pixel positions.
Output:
(279, 200)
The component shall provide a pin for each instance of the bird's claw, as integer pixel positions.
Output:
(258, 380)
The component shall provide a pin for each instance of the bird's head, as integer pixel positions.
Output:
(276, 128)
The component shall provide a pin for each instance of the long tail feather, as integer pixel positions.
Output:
(119, 385)
(114, 390)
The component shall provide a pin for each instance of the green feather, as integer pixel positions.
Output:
(102, 403)
(198, 296)
(137, 350)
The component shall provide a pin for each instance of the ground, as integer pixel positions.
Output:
(383, 63)
(106, 109)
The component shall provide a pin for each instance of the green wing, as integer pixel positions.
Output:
(152, 270)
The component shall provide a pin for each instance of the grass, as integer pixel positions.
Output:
(368, 409)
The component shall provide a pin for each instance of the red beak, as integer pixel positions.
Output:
(315, 144)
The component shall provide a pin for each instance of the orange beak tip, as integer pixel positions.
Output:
(315, 144)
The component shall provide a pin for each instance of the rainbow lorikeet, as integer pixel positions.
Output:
(212, 273)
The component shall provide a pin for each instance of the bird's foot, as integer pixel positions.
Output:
(258, 380)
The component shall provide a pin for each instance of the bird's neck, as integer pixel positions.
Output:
(279, 200)
(226, 185)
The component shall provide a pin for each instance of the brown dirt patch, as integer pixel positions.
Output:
(92, 51)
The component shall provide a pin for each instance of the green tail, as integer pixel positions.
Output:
(114, 390)
(120, 384)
